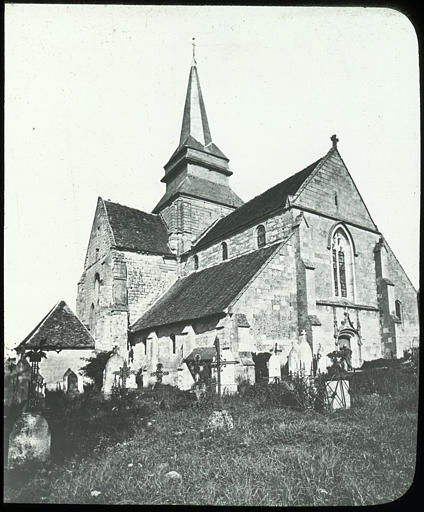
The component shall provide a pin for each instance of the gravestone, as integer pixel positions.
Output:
(29, 440)
(274, 366)
(112, 368)
(185, 379)
(228, 373)
(300, 357)
(220, 420)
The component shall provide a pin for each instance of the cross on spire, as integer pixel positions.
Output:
(194, 50)
(334, 140)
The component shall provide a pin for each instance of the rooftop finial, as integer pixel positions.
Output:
(194, 51)
(334, 140)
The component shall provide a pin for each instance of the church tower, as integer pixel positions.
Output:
(196, 176)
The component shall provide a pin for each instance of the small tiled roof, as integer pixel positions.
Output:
(203, 189)
(135, 230)
(258, 207)
(206, 292)
(60, 328)
(205, 353)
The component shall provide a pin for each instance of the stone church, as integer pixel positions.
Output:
(303, 260)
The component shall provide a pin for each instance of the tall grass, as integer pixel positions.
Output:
(277, 455)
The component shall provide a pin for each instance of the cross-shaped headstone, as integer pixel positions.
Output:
(159, 373)
(124, 372)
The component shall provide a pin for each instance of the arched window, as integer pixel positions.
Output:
(196, 262)
(96, 289)
(342, 264)
(398, 309)
(224, 251)
(92, 319)
(260, 236)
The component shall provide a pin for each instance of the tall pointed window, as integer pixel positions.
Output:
(260, 236)
(96, 289)
(196, 262)
(224, 251)
(92, 319)
(342, 264)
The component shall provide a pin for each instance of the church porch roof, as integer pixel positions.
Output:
(206, 292)
(59, 329)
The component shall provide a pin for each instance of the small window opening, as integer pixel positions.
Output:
(336, 201)
(196, 262)
(174, 345)
(398, 309)
(260, 236)
(224, 251)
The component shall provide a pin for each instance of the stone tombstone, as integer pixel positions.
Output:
(305, 355)
(114, 364)
(220, 420)
(293, 360)
(185, 379)
(338, 394)
(228, 373)
(29, 440)
(274, 367)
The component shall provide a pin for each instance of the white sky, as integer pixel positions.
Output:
(94, 98)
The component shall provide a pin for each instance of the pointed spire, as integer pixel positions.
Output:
(195, 121)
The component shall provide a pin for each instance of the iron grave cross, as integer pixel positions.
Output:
(124, 372)
(159, 373)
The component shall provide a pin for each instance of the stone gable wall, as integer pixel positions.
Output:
(319, 193)
(101, 238)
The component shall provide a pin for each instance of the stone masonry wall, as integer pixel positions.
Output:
(277, 228)
(270, 303)
(319, 194)
(407, 329)
(190, 217)
(148, 276)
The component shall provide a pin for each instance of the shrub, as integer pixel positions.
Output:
(95, 367)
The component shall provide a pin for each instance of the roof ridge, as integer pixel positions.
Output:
(285, 184)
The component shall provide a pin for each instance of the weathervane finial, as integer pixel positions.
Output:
(194, 50)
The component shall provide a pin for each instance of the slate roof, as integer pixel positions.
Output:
(204, 189)
(60, 328)
(206, 292)
(135, 230)
(258, 207)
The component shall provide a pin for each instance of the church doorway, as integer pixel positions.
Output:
(349, 339)
(261, 366)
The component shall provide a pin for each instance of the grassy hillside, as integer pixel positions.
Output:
(274, 456)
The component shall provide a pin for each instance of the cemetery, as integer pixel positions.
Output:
(294, 438)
